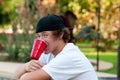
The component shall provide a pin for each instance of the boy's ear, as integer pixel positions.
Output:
(61, 35)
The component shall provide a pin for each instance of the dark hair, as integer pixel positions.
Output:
(67, 13)
(66, 34)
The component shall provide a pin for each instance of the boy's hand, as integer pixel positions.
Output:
(33, 65)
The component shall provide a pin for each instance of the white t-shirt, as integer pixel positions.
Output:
(46, 58)
(70, 64)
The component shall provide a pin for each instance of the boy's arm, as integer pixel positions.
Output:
(35, 75)
(28, 67)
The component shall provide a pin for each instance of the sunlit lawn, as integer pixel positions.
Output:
(108, 56)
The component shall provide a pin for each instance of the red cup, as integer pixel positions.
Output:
(37, 49)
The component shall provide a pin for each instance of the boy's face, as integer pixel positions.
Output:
(52, 42)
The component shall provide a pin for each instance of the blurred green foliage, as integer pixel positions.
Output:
(22, 15)
(6, 11)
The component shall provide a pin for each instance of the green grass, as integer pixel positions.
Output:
(108, 56)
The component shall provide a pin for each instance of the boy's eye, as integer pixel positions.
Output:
(45, 35)
(38, 36)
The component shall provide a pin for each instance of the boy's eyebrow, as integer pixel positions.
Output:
(43, 32)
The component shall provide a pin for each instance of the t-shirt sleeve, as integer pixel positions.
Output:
(45, 58)
(60, 68)
(42, 58)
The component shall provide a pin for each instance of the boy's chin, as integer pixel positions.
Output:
(45, 52)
